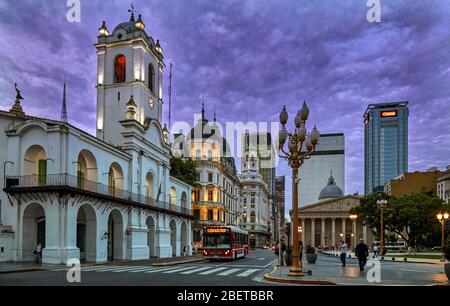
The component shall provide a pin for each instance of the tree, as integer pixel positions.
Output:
(184, 170)
(410, 217)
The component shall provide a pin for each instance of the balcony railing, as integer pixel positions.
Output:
(64, 180)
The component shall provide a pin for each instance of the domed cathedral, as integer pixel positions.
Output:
(215, 199)
(129, 67)
(331, 190)
(103, 198)
(325, 223)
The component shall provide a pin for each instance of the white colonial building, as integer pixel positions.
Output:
(256, 207)
(97, 198)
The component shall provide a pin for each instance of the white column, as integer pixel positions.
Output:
(313, 232)
(333, 232)
(322, 232)
(343, 228)
(303, 230)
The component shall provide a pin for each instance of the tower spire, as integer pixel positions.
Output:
(64, 105)
(170, 96)
(203, 106)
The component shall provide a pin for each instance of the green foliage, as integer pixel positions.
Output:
(416, 214)
(310, 249)
(184, 170)
(447, 249)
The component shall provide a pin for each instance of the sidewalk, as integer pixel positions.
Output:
(398, 258)
(14, 267)
(280, 275)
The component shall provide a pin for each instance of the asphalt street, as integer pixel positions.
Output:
(243, 272)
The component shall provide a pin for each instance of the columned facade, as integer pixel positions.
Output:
(325, 224)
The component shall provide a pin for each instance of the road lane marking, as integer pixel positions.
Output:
(143, 270)
(196, 270)
(247, 273)
(212, 271)
(228, 272)
(179, 269)
(99, 268)
(261, 258)
(162, 269)
(130, 268)
(270, 263)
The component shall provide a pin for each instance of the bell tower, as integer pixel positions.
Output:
(129, 64)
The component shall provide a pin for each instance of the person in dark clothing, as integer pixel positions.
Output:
(362, 252)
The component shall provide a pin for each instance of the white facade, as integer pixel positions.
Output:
(85, 198)
(256, 207)
(329, 156)
(443, 186)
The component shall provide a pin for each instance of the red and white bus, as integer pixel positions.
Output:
(224, 242)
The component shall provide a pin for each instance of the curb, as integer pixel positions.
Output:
(23, 270)
(270, 278)
(397, 259)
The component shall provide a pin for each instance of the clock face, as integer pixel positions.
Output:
(151, 103)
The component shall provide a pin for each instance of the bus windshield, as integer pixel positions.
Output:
(218, 241)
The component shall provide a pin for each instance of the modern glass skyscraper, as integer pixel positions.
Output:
(385, 144)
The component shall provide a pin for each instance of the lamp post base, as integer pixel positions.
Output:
(296, 271)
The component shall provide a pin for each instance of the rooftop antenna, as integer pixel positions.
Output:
(170, 96)
(214, 112)
(203, 105)
(64, 104)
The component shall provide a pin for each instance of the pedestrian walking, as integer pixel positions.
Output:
(38, 252)
(283, 251)
(362, 252)
(300, 254)
(344, 250)
(184, 250)
(375, 251)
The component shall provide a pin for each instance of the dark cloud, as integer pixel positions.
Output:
(254, 57)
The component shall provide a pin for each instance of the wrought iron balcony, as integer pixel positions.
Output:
(64, 182)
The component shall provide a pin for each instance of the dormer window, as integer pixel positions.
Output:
(120, 65)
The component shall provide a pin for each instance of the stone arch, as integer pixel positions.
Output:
(184, 238)
(173, 237)
(173, 196)
(115, 245)
(34, 230)
(184, 203)
(35, 164)
(115, 180)
(87, 232)
(151, 235)
(87, 170)
(150, 185)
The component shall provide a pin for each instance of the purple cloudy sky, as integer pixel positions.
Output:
(251, 56)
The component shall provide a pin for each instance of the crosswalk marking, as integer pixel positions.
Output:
(143, 270)
(129, 269)
(184, 270)
(228, 272)
(179, 270)
(98, 268)
(212, 271)
(162, 269)
(247, 273)
(196, 270)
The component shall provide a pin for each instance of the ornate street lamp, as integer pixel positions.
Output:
(301, 146)
(353, 218)
(382, 204)
(442, 219)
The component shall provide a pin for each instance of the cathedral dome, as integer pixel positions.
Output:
(331, 190)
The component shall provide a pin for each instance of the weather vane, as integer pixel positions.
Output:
(132, 10)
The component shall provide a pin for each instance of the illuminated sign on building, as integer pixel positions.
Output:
(216, 230)
(388, 114)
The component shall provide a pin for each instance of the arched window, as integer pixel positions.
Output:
(198, 155)
(209, 155)
(120, 67)
(151, 77)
